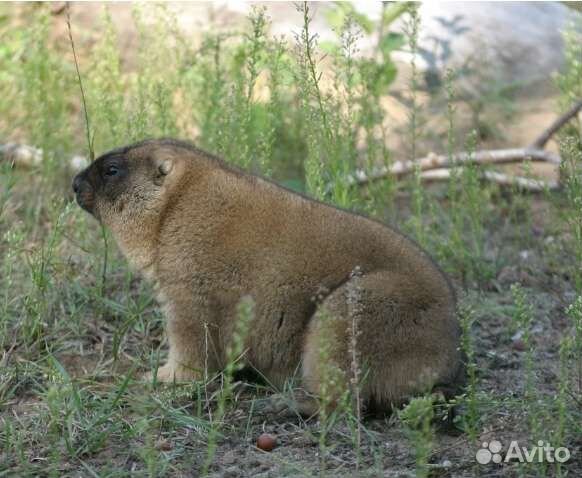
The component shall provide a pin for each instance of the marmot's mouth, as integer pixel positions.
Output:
(84, 193)
(86, 200)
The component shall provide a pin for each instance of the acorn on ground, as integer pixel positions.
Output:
(266, 442)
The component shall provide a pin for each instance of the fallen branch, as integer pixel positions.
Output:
(434, 161)
(535, 152)
(525, 184)
(557, 125)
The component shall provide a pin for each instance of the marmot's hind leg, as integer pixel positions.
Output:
(406, 341)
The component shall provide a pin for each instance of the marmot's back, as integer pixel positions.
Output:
(323, 239)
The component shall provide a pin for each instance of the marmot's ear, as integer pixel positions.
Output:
(164, 167)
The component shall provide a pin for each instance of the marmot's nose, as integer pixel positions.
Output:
(77, 183)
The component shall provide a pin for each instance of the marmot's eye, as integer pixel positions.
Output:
(111, 171)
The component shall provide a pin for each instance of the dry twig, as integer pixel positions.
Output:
(556, 125)
(519, 182)
(434, 161)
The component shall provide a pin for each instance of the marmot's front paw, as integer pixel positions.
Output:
(170, 373)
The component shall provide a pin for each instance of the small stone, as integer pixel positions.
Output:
(507, 275)
(517, 336)
(231, 472)
(519, 345)
(537, 230)
(229, 458)
(163, 445)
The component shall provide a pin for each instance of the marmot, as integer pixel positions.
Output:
(207, 234)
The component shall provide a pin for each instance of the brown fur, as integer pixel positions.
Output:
(206, 234)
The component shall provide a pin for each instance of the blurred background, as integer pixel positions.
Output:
(136, 58)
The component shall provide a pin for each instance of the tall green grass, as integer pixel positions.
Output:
(307, 113)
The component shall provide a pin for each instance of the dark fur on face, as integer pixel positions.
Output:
(109, 181)
(105, 178)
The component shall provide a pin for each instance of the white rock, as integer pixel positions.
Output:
(21, 154)
(78, 163)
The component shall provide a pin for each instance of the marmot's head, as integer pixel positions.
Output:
(129, 182)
